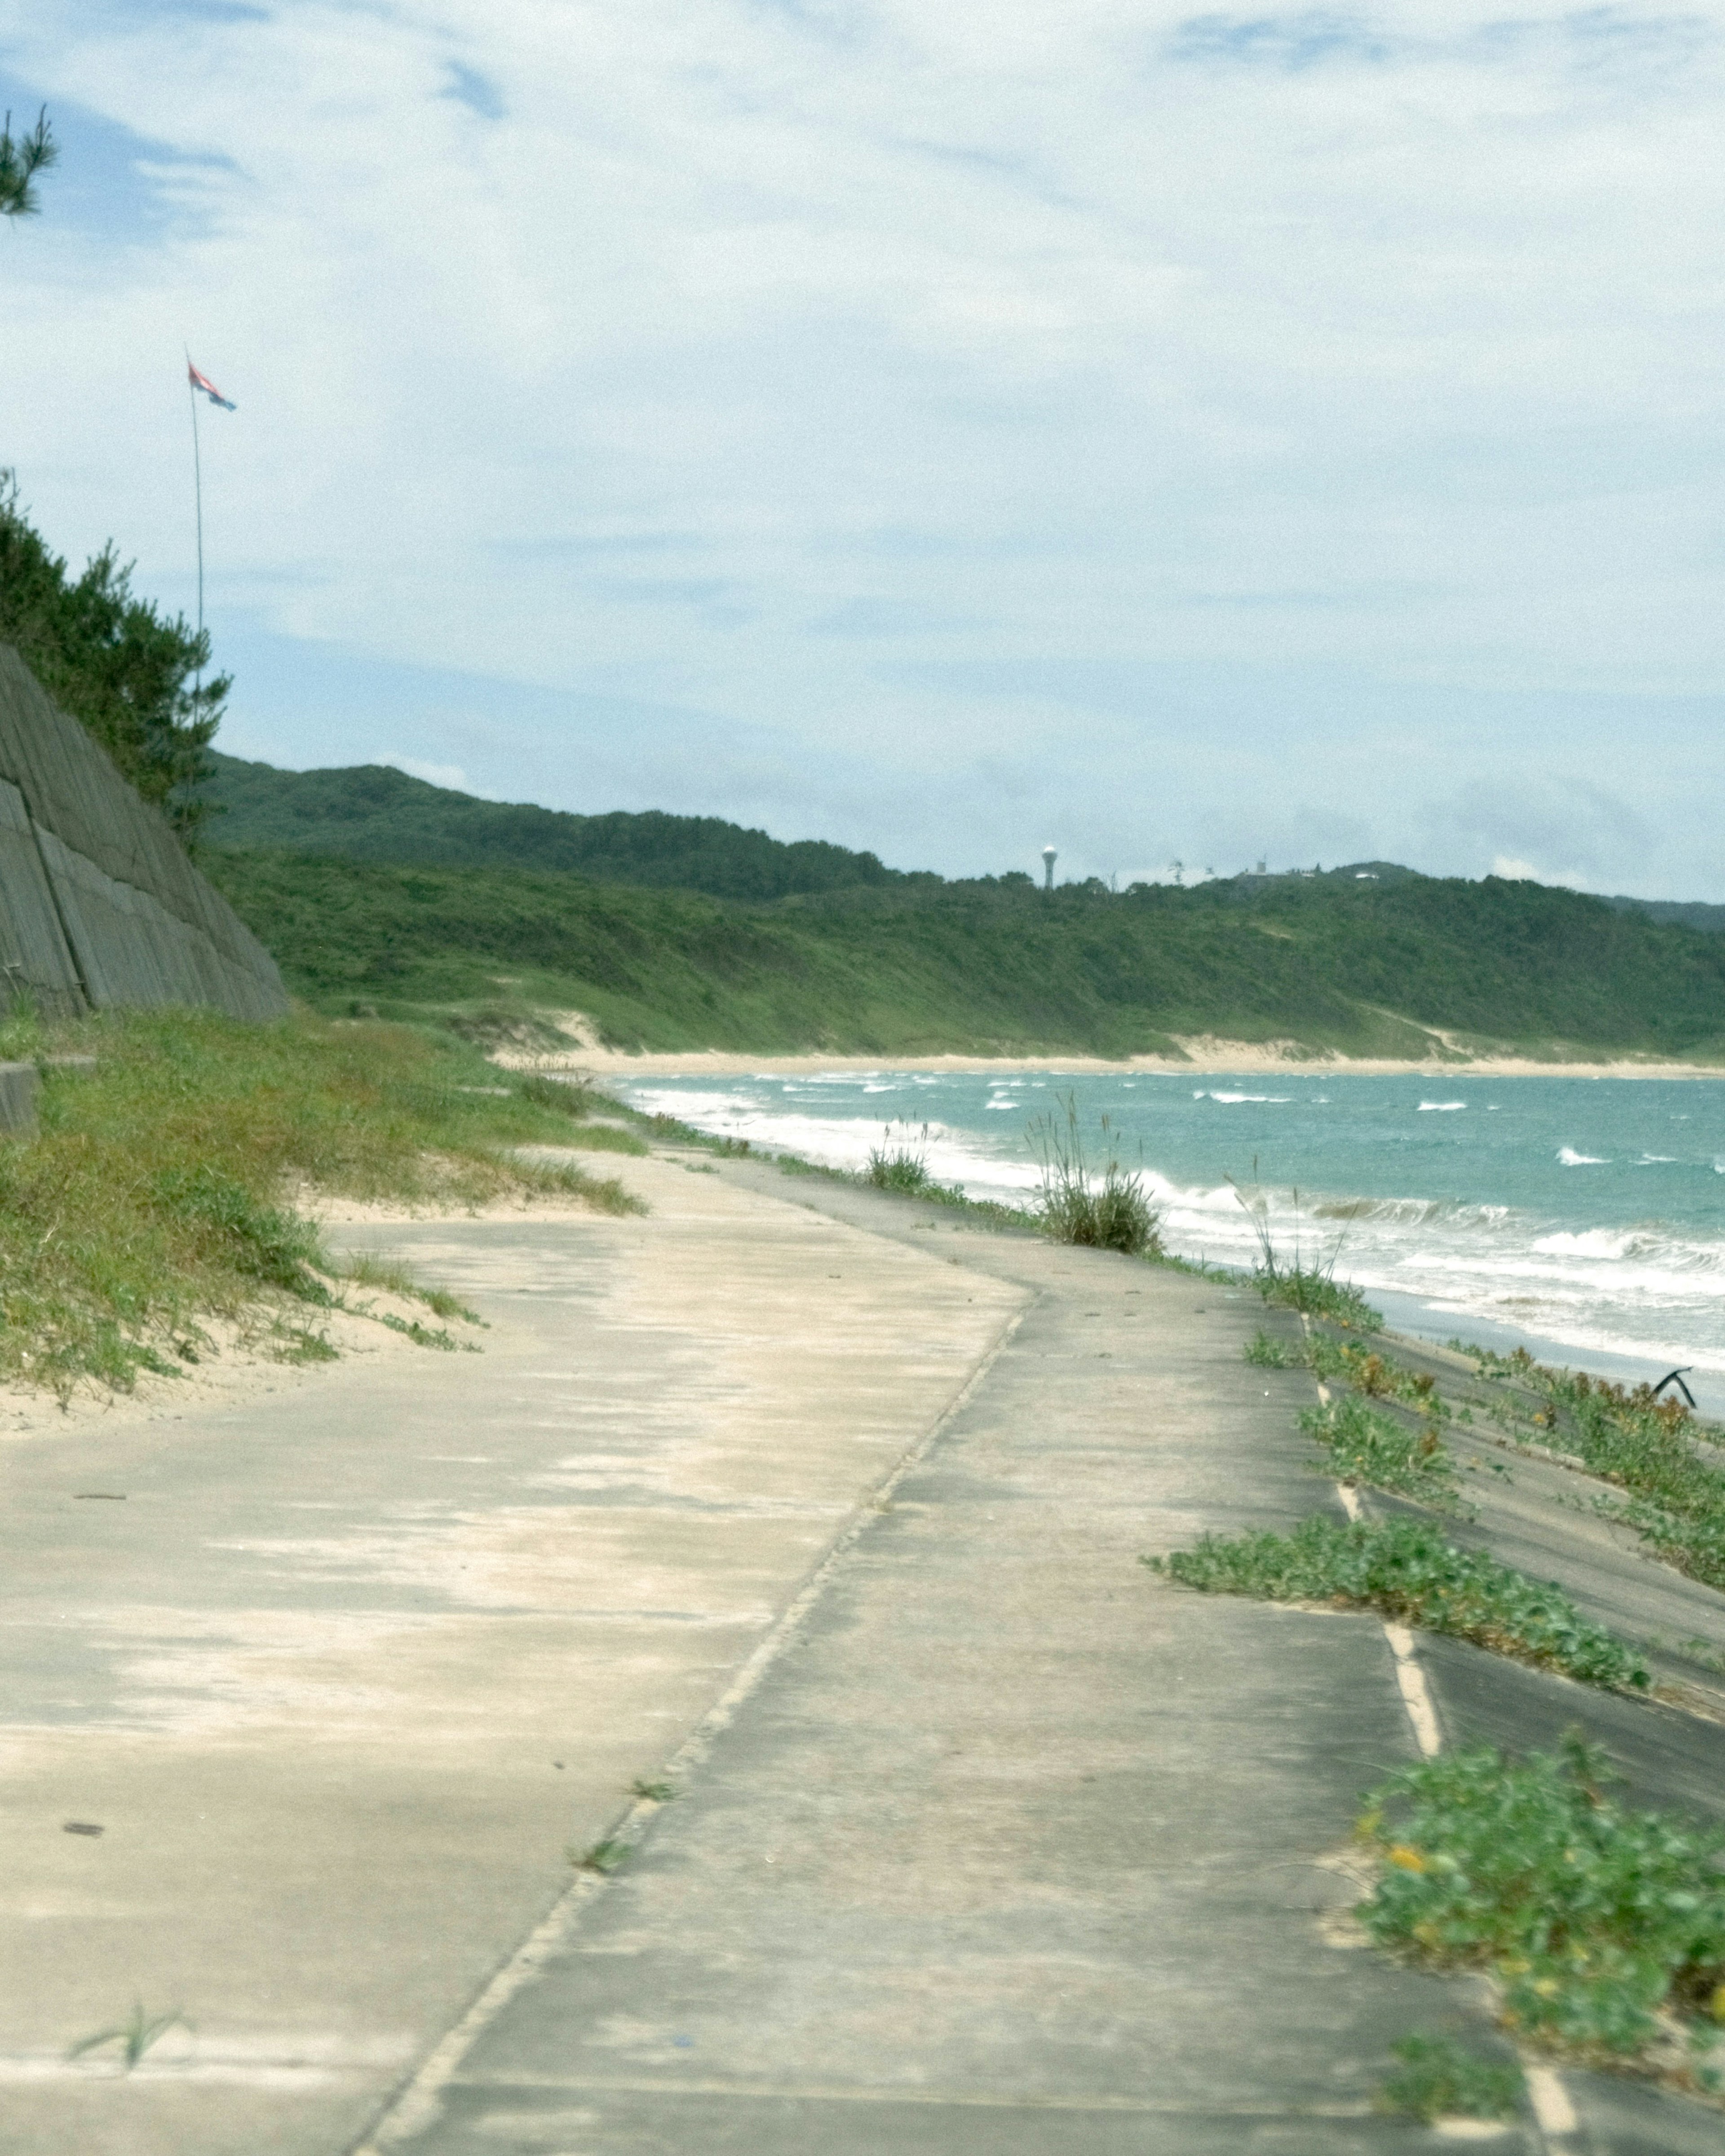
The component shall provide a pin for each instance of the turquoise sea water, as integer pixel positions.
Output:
(1585, 1215)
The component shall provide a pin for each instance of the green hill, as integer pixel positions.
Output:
(373, 812)
(910, 966)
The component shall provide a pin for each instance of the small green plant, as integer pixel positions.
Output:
(299, 1345)
(1265, 1353)
(1405, 1570)
(604, 1194)
(604, 1857)
(1106, 1209)
(367, 1270)
(422, 1336)
(1363, 1445)
(135, 2035)
(653, 1793)
(1438, 2079)
(1594, 1919)
(1379, 1376)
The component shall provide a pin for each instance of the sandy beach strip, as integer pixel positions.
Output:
(1205, 1058)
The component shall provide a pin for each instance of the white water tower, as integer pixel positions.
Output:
(1048, 862)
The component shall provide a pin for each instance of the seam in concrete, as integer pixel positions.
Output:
(1410, 1679)
(1550, 2103)
(936, 2098)
(417, 2102)
(1554, 2114)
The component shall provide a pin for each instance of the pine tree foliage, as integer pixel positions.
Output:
(132, 675)
(22, 157)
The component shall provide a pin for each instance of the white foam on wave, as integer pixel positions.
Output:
(1647, 1289)
(1439, 1107)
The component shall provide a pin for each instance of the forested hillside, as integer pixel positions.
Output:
(906, 967)
(372, 813)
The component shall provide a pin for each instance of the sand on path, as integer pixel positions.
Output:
(310, 1692)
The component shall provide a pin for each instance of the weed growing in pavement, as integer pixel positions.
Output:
(1377, 1375)
(604, 1857)
(1599, 1924)
(1438, 2079)
(135, 2035)
(1362, 1445)
(655, 1793)
(1300, 1282)
(1675, 1498)
(1104, 1207)
(1405, 1570)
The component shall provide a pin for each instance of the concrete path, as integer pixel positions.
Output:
(1014, 1847)
(984, 1837)
(343, 1674)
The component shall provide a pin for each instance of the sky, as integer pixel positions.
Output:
(1198, 437)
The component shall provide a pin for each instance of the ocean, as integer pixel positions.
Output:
(1583, 1218)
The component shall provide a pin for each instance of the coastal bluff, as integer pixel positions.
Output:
(100, 907)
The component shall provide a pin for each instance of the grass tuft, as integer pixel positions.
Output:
(1405, 1570)
(901, 1162)
(135, 2035)
(1307, 1284)
(1104, 1209)
(1593, 1920)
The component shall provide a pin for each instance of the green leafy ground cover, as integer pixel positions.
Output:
(1437, 2078)
(1674, 1497)
(1405, 1570)
(161, 1191)
(1360, 1444)
(916, 968)
(1604, 1927)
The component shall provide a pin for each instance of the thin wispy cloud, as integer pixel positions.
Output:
(1213, 428)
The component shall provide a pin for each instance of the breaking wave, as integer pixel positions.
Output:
(1524, 1246)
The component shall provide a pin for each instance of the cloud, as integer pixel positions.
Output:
(449, 776)
(908, 424)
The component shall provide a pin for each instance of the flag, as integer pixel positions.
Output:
(203, 382)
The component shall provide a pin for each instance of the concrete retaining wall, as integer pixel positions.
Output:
(100, 907)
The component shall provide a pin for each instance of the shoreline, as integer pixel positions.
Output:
(1209, 1059)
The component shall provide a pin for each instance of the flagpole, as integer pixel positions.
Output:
(197, 489)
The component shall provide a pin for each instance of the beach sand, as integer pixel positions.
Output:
(1205, 1056)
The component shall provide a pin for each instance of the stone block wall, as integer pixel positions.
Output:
(99, 905)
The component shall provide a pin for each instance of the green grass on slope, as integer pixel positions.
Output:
(994, 967)
(161, 1189)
